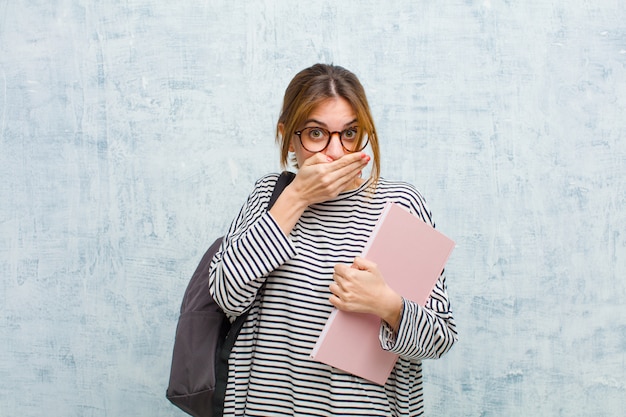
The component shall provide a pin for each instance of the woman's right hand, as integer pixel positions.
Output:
(319, 179)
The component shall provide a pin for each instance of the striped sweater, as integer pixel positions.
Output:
(271, 373)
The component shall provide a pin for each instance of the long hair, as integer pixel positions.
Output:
(312, 86)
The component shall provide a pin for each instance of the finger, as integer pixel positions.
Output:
(338, 286)
(317, 158)
(335, 301)
(340, 270)
(363, 264)
(348, 173)
(351, 158)
(349, 166)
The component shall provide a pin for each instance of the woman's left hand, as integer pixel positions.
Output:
(361, 288)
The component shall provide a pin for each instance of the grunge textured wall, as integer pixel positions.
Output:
(132, 131)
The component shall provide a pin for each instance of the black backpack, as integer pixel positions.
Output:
(204, 339)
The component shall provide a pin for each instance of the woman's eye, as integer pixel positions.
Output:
(349, 134)
(316, 134)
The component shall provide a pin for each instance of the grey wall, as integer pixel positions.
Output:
(131, 133)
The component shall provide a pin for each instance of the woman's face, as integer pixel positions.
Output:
(335, 115)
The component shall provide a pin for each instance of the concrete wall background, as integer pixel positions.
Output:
(131, 132)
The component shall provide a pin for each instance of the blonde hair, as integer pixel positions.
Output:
(308, 89)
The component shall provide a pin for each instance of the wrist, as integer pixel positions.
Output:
(288, 209)
(393, 311)
(294, 200)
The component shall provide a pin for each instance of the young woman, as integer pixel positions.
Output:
(305, 250)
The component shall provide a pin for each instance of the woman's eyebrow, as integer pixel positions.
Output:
(324, 124)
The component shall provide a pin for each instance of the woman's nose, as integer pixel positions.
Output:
(335, 148)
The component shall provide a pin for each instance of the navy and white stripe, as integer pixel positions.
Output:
(270, 369)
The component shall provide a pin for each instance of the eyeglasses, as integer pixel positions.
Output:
(316, 139)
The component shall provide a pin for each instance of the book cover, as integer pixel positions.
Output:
(411, 255)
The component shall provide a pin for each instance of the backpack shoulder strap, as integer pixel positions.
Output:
(284, 180)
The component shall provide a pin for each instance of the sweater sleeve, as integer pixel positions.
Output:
(253, 247)
(425, 332)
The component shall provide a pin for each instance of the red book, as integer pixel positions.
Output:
(411, 255)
